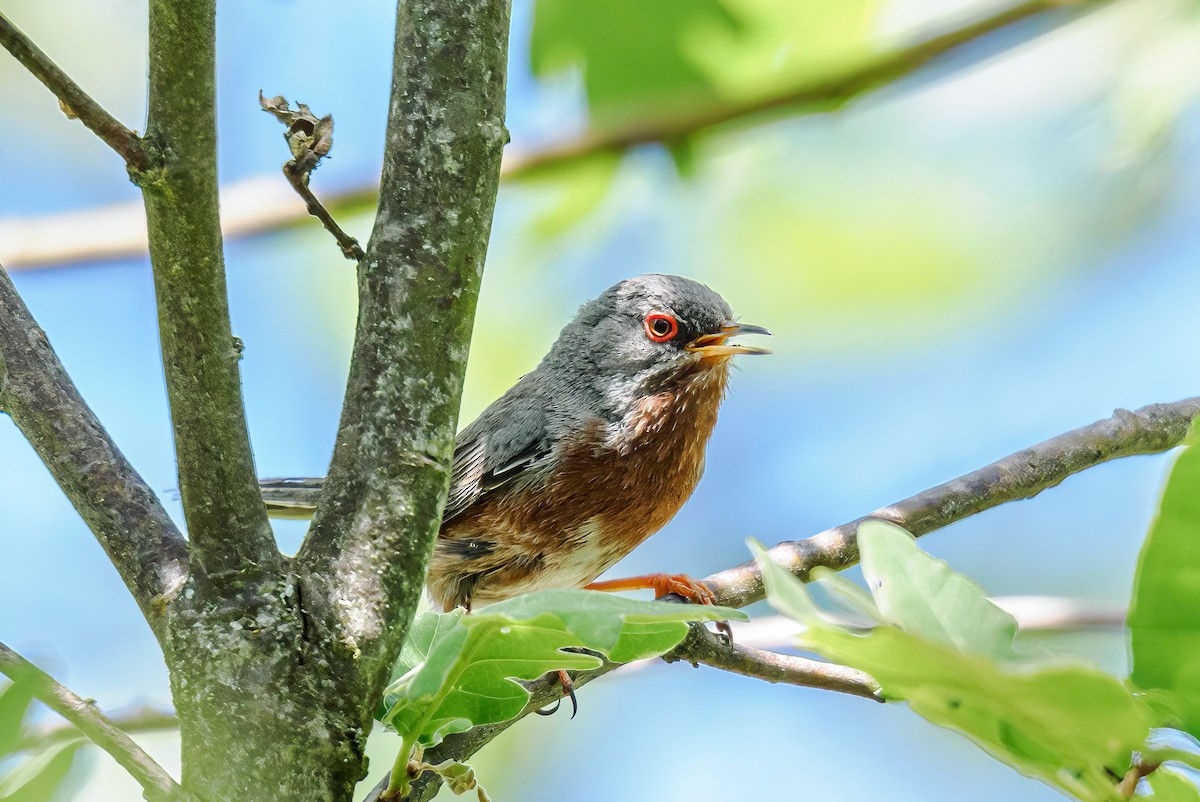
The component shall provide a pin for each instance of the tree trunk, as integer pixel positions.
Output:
(268, 708)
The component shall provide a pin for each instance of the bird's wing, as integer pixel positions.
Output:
(493, 451)
(505, 442)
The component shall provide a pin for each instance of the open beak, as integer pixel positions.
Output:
(713, 345)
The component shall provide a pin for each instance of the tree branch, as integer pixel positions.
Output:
(114, 501)
(1022, 475)
(1149, 430)
(95, 726)
(128, 721)
(704, 646)
(74, 101)
(112, 232)
(227, 524)
(373, 531)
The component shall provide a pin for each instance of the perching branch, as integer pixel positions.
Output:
(704, 646)
(1149, 430)
(418, 284)
(122, 512)
(71, 98)
(96, 727)
(1022, 475)
(227, 524)
(115, 232)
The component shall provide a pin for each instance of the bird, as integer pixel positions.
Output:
(587, 455)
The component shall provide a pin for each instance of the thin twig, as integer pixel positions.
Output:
(95, 726)
(122, 511)
(1149, 430)
(1060, 613)
(131, 720)
(711, 649)
(117, 232)
(1022, 475)
(349, 245)
(73, 100)
(310, 139)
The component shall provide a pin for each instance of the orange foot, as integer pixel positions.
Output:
(683, 585)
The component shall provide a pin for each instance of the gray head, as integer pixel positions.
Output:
(639, 337)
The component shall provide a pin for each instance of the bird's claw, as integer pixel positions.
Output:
(549, 711)
(568, 687)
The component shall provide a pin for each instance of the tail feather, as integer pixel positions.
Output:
(291, 498)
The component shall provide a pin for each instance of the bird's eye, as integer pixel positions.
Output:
(661, 327)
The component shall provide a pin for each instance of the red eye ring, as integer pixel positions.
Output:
(661, 327)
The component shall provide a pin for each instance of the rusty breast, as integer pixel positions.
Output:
(612, 486)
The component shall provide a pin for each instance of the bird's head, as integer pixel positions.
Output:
(646, 335)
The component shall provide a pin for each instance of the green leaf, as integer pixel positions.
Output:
(1174, 782)
(1064, 723)
(37, 779)
(457, 671)
(669, 57)
(632, 54)
(1164, 618)
(779, 44)
(15, 699)
(924, 597)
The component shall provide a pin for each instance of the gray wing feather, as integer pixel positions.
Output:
(509, 438)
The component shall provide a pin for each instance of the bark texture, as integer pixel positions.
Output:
(277, 664)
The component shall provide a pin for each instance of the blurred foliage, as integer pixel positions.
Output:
(654, 59)
(29, 771)
(1160, 83)
(1164, 619)
(1177, 758)
(947, 650)
(778, 45)
(1173, 782)
(631, 54)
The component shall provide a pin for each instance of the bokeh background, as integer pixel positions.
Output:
(997, 248)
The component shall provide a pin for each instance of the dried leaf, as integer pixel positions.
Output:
(309, 138)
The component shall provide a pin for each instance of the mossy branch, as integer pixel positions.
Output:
(227, 526)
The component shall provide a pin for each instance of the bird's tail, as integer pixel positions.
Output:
(291, 498)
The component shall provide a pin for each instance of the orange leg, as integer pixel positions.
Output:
(683, 585)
